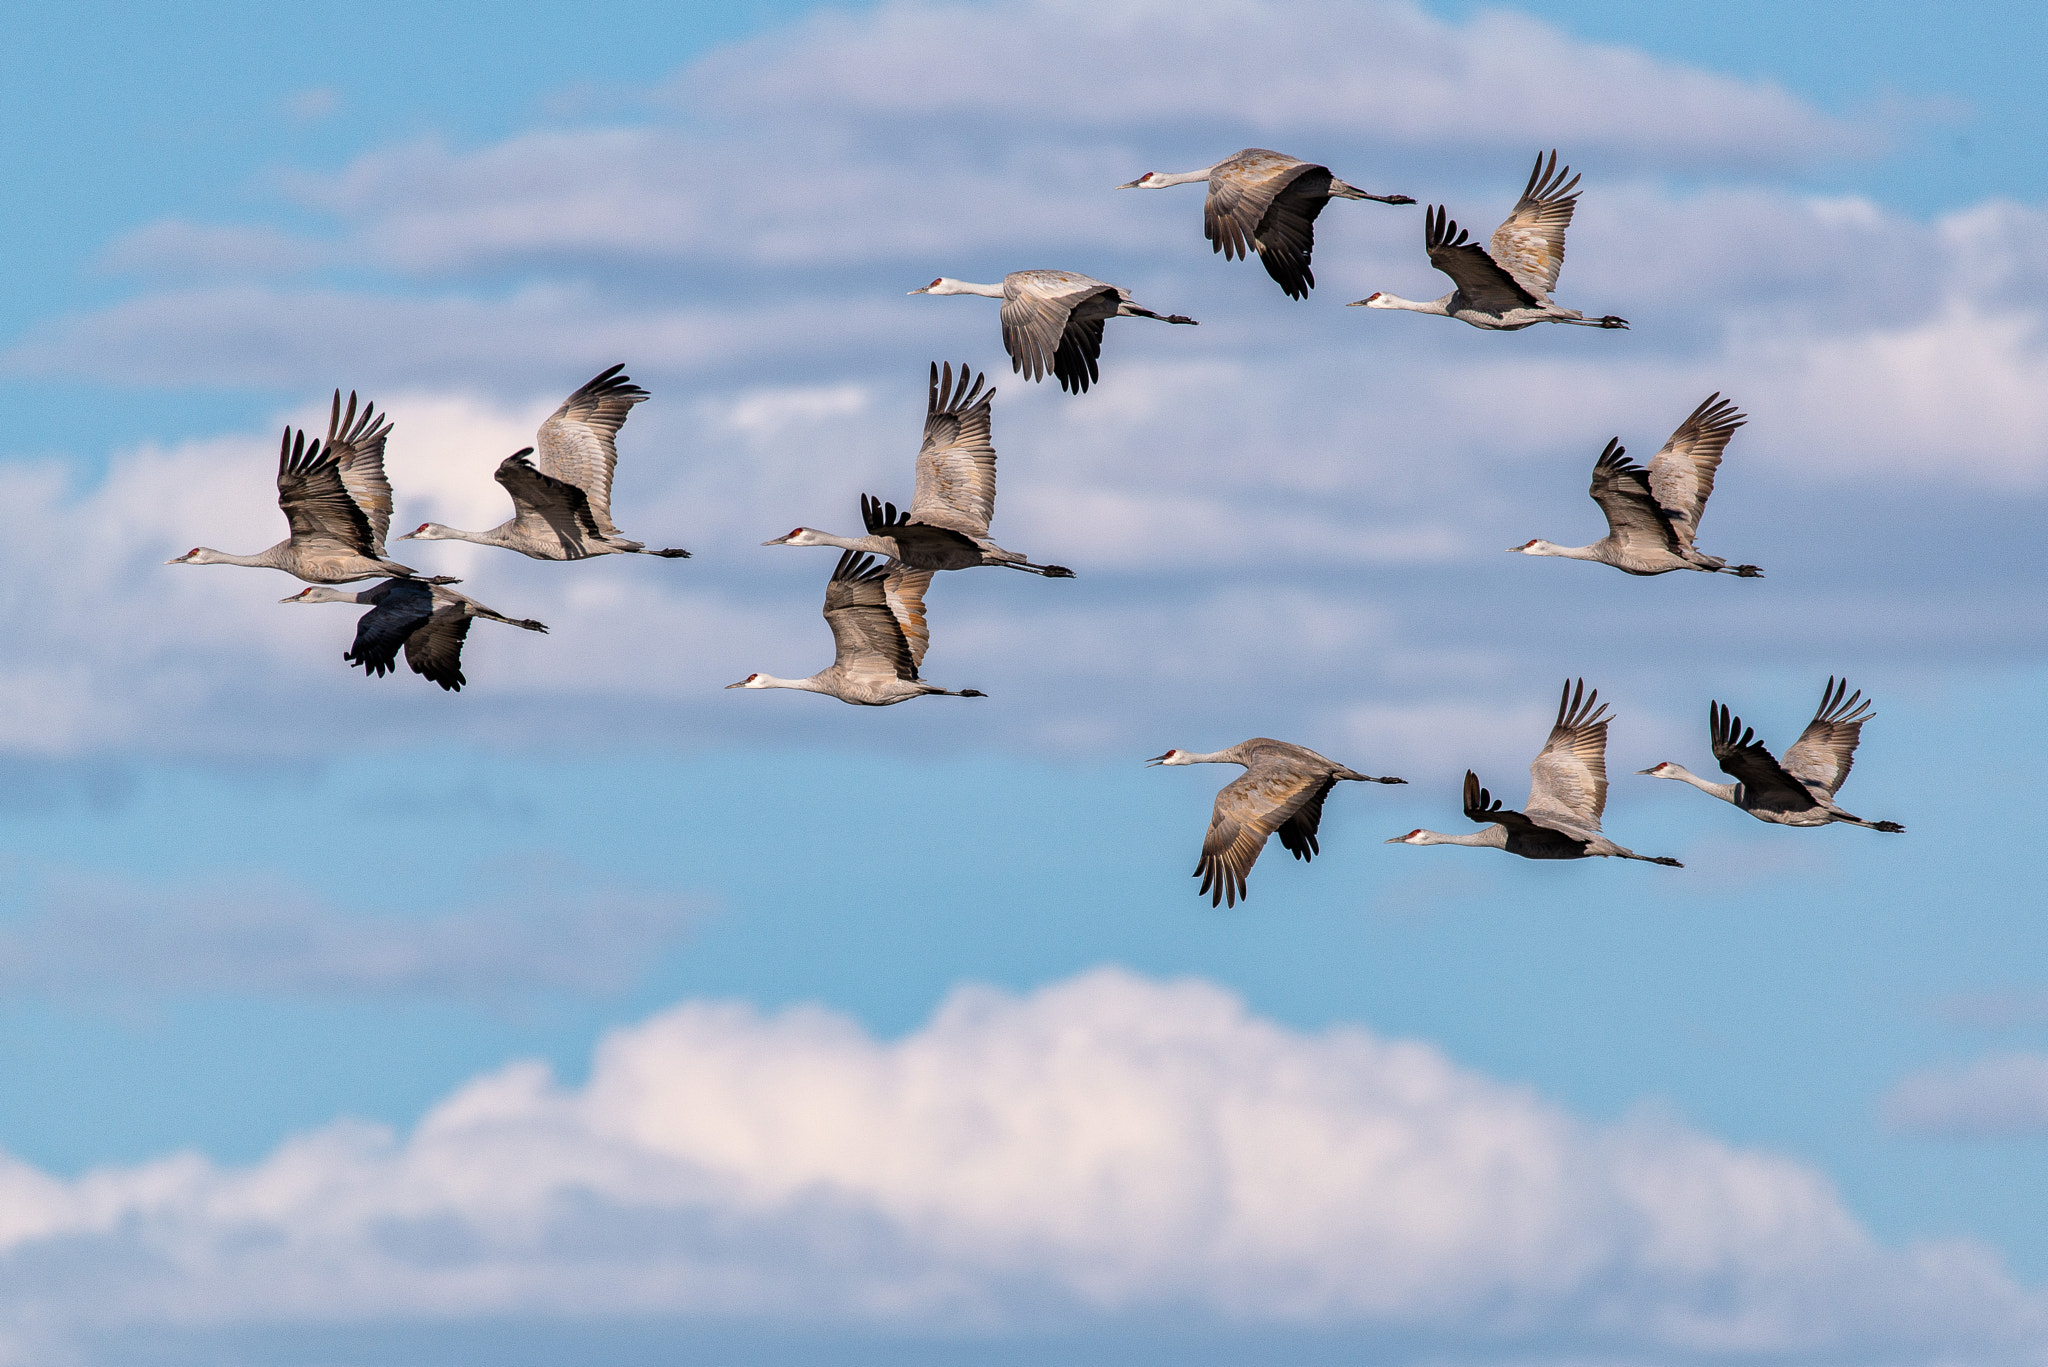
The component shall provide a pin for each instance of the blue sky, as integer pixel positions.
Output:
(256, 902)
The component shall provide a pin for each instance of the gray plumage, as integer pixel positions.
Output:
(561, 486)
(1504, 286)
(953, 499)
(1282, 789)
(876, 613)
(1654, 514)
(1052, 321)
(1800, 789)
(1265, 202)
(336, 499)
(1567, 795)
(430, 621)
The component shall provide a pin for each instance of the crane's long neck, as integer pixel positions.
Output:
(1540, 547)
(1494, 837)
(499, 535)
(1229, 756)
(1440, 307)
(1158, 180)
(1727, 792)
(876, 545)
(809, 685)
(274, 558)
(969, 287)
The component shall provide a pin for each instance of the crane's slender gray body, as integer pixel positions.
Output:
(1265, 202)
(876, 613)
(1799, 790)
(1282, 789)
(561, 486)
(336, 499)
(1052, 321)
(954, 497)
(1567, 795)
(1653, 515)
(430, 621)
(1504, 286)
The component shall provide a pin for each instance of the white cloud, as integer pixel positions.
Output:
(2003, 1095)
(1110, 1146)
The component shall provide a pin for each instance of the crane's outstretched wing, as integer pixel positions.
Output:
(1743, 758)
(1682, 474)
(435, 650)
(1039, 331)
(1248, 809)
(316, 500)
(1485, 809)
(1568, 780)
(1479, 278)
(1267, 202)
(1826, 750)
(1529, 245)
(956, 467)
(865, 634)
(1298, 833)
(577, 445)
(357, 445)
(403, 606)
(536, 497)
(904, 591)
(1622, 489)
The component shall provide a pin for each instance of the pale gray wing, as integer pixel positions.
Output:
(357, 445)
(316, 501)
(1267, 202)
(1568, 780)
(1248, 809)
(1530, 244)
(1682, 474)
(956, 468)
(578, 444)
(1826, 750)
(904, 591)
(1622, 489)
(1479, 278)
(865, 635)
(1036, 307)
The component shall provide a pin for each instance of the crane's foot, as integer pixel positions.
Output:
(671, 554)
(1393, 199)
(1610, 321)
(1181, 318)
(1057, 572)
(1888, 827)
(1667, 861)
(1745, 571)
(1390, 780)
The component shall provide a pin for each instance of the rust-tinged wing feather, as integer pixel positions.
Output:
(357, 444)
(1480, 279)
(1743, 758)
(956, 467)
(1682, 474)
(1826, 750)
(577, 445)
(865, 634)
(904, 591)
(1622, 489)
(1248, 809)
(1568, 780)
(1529, 245)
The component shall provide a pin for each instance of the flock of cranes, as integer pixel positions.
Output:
(338, 502)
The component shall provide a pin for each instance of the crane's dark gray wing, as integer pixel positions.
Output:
(1479, 278)
(1742, 757)
(1267, 202)
(403, 606)
(1529, 245)
(1298, 833)
(1038, 328)
(956, 467)
(316, 501)
(865, 634)
(1682, 473)
(1568, 779)
(1826, 750)
(357, 445)
(537, 497)
(577, 444)
(1248, 809)
(904, 591)
(1485, 809)
(435, 650)
(1622, 489)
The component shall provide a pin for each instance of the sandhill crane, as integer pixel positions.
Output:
(561, 487)
(1052, 320)
(430, 621)
(878, 635)
(1282, 789)
(1265, 202)
(1800, 789)
(1567, 793)
(953, 499)
(1653, 514)
(337, 501)
(1507, 288)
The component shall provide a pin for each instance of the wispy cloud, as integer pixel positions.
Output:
(2001, 1096)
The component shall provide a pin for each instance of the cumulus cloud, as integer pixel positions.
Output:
(1110, 1149)
(2003, 1095)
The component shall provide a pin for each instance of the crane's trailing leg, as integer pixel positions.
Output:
(1048, 571)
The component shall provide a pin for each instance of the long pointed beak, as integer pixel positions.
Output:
(921, 289)
(778, 541)
(407, 536)
(1358, 303)
(741, 684)
(1651, 770)
(1513, 549)
(1157, 759)
(298, 597)
(1132, 184)
(1395, 840)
